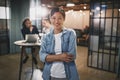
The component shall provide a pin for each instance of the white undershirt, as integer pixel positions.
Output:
(57, 69)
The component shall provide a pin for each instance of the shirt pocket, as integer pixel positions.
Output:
(48, 46)
(66, 39)
(65, 43)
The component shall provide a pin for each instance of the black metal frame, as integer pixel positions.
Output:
(102, 53)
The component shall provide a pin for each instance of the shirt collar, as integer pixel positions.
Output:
(64, 30)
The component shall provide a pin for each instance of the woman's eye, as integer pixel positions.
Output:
(57, 18)
(53, 18)
(60, 18)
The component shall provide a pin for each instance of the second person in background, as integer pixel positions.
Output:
(28, 28)
(46, 26)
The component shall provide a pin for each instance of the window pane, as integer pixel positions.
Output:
(114, 30)
(4, 13)
(108, 27)
(109, 13)
(118, 27)
(116, 12)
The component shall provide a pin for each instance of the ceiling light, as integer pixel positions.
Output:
(43, 5)
(91, 13)
(85, 7)
(104, 5)
(81, 11)
(98, 8)
(70, 4)
(119, 9)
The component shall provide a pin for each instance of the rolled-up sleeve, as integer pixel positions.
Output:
(72, 43)
(42, 52)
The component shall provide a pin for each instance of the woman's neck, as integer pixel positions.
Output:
(56, 31)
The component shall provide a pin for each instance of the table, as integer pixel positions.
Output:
(23, 44)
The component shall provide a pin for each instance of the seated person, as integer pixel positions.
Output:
(86, 32)
(28, 28)
(46, 26)
(78, 35)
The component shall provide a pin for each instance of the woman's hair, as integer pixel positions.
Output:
(23, 23)
(56, 9)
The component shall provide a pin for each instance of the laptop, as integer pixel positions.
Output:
(31, 38)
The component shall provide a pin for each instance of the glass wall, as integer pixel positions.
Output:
(104, 35)
(4, 26)
(37, 12)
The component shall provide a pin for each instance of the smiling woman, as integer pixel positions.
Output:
(58, 50)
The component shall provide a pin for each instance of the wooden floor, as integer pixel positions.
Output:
(9, 67)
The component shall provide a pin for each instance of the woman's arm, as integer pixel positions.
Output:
(72, 44)
(68, 56)
(35, 29)
(63, 57)
(45, 57)
(23, 33)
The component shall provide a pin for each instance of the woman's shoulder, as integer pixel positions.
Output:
(46, 35)
(69, 30)
(23, 29)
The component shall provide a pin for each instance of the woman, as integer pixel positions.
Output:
(46, 26)
(58, 50)
(28, 28)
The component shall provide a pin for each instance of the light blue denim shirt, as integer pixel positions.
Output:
(68, 43)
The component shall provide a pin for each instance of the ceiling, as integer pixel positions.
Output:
(63, 2)
(79, 4)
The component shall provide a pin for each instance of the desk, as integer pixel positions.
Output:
(23, 44)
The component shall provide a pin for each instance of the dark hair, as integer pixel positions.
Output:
(56, 9)
(23, 23)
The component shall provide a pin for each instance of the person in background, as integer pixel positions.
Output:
(58, 50)
(86, 33)
(46, 26)
(28, 28)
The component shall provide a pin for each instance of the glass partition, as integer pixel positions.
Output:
(104, 34)
(4, 29)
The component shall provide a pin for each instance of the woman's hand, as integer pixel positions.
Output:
(66, 57)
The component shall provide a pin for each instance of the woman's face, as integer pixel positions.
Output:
(28, 23)
(45, 23)
(57, 20)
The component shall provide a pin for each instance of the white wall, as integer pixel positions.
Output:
(77, 19)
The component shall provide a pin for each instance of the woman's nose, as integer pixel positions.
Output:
(57, 20)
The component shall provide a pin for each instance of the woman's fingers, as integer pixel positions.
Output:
(67, 57)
